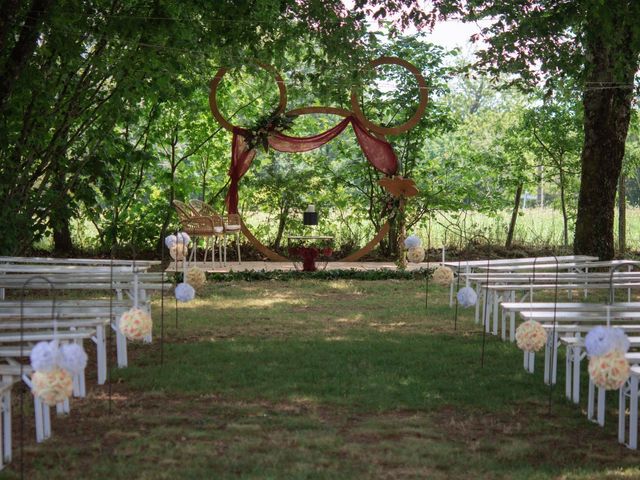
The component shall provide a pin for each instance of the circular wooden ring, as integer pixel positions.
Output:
(422, 105)
(213, 102)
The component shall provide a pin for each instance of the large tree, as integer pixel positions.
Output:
(594, 43)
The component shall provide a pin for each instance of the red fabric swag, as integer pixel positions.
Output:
(378, 152)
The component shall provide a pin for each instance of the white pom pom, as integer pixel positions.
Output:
(599, 341)
(73, 358)
(170, 241)
(620, 340)
(467, 297)
(184, 292)
(412, 241)
(183, 238)
(44, 356)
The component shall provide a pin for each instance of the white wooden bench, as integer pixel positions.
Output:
(570, 324)
(596, 402)
(5, 419)
(630, 390)
(509, 264)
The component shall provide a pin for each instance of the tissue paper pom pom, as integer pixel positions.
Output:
(183, 238)
(170, 241)
(415, 254)
(467, 297)
(178, 251)
(531, 336)
(412, 241)
(609, 371)
(599, 341)
(196, 278)
(44, 356)
(442, 276)
(73, 358)
(135, 324)
(620, 340)
(52, 387)
(184, 292)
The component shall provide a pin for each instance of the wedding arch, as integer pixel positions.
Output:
(370, 136)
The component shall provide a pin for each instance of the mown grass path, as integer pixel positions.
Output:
(326, 379)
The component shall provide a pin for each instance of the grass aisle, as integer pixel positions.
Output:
(342, 379)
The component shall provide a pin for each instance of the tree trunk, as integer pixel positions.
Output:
(282, 222)
(540, 187)
(23, 48)
(514, 216)
(622, 216)
(60, 214)
(606, 122)
(563, 205)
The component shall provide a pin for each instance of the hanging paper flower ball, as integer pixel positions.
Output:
(135, 324)
(184, 292)
(531, 336)
(178, 251)
(467, 297)
(599, 341)
(620, 340)
(610, 370)
(183, 238)
(442, 276)
(415, 254)
(196, 278)
(52, 387)
(412, 241)
(44, 356)
(170, 241)
(73, 358)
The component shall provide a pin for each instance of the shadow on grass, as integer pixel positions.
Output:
(371, 372)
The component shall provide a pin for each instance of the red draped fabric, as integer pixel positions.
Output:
(241, 159)
(285, 143)
(377, 151)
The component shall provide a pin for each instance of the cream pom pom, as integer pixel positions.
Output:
(196, 278)
(178, 251)
(73, 358)
(184, 292)
(531, 336)
(135, 324)
(44, 356)
(610, 370)
(415, 254)
(412, 241)
(170, 241)
(442, 276)
(467, 297)
(52, 387)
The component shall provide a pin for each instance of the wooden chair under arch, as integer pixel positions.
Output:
(229, 225)
(196, 225)
(206, 210)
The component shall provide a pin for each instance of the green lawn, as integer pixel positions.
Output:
(325, 379)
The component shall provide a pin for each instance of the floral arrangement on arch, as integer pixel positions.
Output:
(258, 134)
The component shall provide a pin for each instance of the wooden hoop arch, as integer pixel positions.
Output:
(275, 256)
(215, 83)
(377, 130)
(409, 124)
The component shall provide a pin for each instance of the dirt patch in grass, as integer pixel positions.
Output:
(153, 435)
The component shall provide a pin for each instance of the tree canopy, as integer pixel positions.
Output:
(106, 121)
